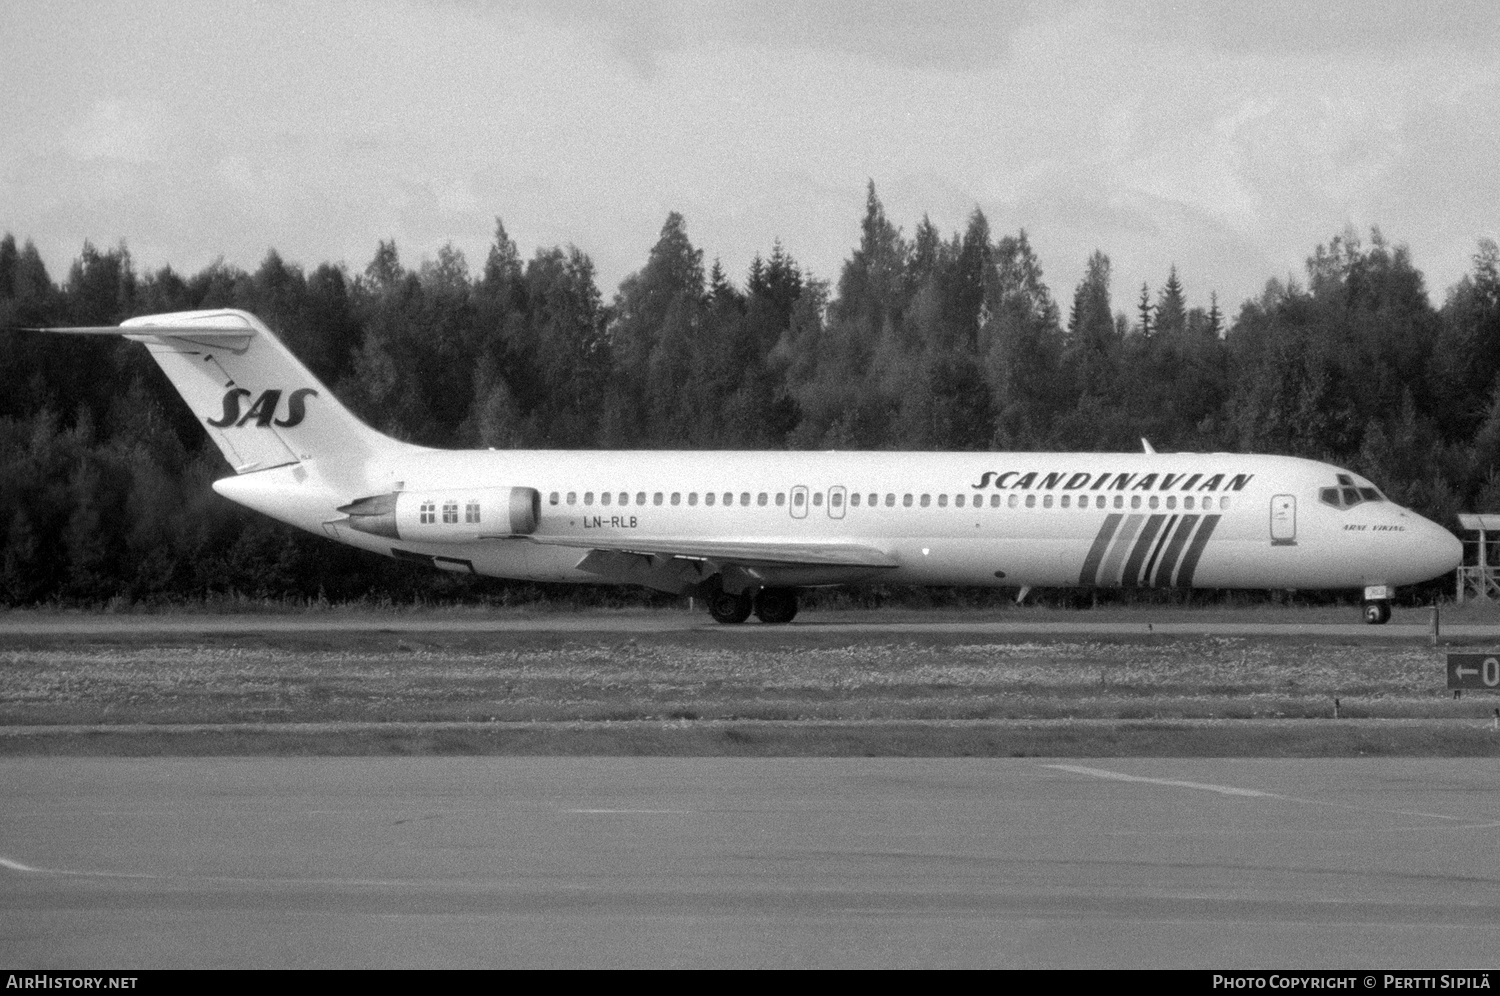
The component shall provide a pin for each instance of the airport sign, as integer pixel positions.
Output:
(1474, 671)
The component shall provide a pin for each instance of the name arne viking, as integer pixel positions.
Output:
(1017, 480)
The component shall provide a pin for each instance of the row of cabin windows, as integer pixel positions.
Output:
(873, 500)
(428, 512)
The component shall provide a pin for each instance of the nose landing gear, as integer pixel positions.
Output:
(1377, 607)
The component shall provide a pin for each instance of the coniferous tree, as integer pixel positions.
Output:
(1143, 312)
(1171, 307)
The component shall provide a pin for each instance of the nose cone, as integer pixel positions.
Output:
(1431, 549)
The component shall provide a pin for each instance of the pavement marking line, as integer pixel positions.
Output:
(1120, 776)
(17, 866)
(635, 812)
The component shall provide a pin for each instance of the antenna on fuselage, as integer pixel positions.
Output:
(1146, 445)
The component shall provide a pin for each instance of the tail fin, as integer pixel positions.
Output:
(260, 405)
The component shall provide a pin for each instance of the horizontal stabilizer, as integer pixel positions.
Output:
(175, 331)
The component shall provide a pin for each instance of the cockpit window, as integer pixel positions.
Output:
(1348, 495)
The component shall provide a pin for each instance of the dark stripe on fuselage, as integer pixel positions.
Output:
(1114, 560)
(1161, 544)
(1139, 552)
(1173, 550)
(1090, 572)
(1190, 560)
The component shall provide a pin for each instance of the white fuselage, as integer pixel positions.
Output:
(1216, 520)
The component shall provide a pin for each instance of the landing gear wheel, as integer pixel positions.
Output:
(1377, 612)
(776, 605)
(729, 609)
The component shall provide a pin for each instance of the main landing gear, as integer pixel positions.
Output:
(770, 605)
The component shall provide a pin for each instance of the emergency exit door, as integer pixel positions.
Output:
(799, 502)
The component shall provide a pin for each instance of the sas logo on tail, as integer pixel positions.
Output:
(264, 409)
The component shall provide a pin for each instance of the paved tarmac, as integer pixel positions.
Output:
(860, 624)
(651, 862)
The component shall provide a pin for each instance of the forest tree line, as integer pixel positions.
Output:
(925, 342)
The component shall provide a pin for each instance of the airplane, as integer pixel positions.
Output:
(747, 530)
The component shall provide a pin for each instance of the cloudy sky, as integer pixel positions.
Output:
(1228, 138)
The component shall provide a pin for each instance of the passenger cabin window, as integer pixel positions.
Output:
(428, 512)
(1015, 500)
(890, 501)
(729, 497)
(604, 498)
(624, 498)
(656, 499)
(552, 498)
(761, 499)
(854, 500)
(745, 498)
(692, 497)
(906, 501)
(640, 498)
(471, 512)
(780, 499)
(818, 499)
(1046, 501)
(572, 497)
(708, 499)
(676, 497)
(994, 501)
(942, 501)
(588, 497)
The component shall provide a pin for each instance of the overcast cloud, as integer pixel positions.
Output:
(1229, 139)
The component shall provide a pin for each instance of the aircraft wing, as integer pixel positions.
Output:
(744, 552)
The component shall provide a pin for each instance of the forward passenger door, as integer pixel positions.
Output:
(1284, 520)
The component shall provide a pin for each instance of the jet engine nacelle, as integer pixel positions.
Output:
(448, 515)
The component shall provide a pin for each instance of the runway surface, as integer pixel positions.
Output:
(863, 624)
(648, 862)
